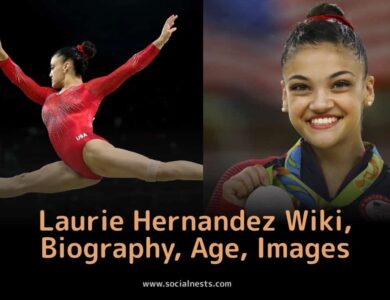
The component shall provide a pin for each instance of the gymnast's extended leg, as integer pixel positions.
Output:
(107, 161)
(52, 178)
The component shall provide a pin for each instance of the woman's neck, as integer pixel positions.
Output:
(71, 81)
(337, 162)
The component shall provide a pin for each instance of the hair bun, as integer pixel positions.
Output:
(87, 49)
(325, 9)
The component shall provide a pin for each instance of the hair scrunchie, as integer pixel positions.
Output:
(330, 17)
(80, 49)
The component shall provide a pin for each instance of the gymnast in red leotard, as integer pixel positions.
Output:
(68, 110)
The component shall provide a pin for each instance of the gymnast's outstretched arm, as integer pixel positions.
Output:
(102, 86)
(30, 88)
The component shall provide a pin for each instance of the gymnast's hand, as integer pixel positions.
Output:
(237, 189)
(166, 32)
(3, 54)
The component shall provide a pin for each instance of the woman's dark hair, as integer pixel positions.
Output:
(80, 55)
(314, 31)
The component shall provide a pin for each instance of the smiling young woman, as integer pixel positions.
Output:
(325, 89)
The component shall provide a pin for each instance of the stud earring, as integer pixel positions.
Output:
(284, 109)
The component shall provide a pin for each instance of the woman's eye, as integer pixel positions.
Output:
(341, 84)
(299, 87)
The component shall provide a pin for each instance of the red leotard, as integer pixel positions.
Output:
(68, 116)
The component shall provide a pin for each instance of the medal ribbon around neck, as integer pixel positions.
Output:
(288, 178)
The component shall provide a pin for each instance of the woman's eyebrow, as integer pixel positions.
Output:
(301, 77)
(341, 73)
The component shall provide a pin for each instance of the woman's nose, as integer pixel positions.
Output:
(322, 101)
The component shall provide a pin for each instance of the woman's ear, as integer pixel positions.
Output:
(66, 66)
(369, 93)
(284, 97)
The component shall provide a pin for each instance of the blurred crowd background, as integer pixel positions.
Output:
(243, 41)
